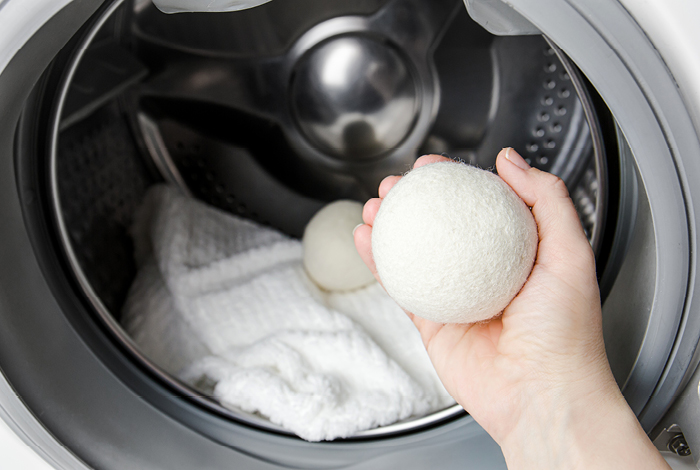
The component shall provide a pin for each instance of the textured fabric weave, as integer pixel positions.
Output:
(219, 299)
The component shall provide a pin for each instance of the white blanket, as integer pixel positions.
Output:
(221, 299)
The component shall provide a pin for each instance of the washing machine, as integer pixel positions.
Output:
(278, 107)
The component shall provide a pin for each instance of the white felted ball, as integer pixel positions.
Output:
(453, 243)
(330, 257)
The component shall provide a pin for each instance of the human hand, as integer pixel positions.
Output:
(537, 377)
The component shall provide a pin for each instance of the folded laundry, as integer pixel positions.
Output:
(222, 300)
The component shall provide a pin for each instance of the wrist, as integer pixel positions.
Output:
(579, 430)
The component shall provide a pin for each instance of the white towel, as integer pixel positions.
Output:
(220, 298)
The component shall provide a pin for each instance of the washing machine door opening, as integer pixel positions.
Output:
(74, 368)
(272, 125)
(238, 111)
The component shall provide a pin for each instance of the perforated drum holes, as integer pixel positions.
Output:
(243, 168)
(102, 180)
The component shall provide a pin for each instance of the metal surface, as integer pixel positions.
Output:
(355, 97)
(85, 394)
(216, 93)
(590, 195)
(107, 71)
(679, 446)
(99, 191)
(160, 154)
(68, 379)
(259, 87)
(84, 260)
(664, 438)
(86, 254)
(197, 160)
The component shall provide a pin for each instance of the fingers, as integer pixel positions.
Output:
(369, 212)
(363, 244)
(558, 224)
(386, 184)
(427, 159)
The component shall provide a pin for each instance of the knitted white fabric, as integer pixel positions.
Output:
(221, 299)
(453, 243)
(330, 257)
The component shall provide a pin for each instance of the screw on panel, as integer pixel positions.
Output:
(679, 446)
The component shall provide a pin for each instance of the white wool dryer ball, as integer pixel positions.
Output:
(453, 243)
(330, 257)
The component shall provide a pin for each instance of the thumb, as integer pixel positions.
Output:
(561, 236)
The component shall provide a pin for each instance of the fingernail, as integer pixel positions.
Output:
(515, 158)
(355, 229)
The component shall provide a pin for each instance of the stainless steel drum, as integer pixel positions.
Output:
(269, 114)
